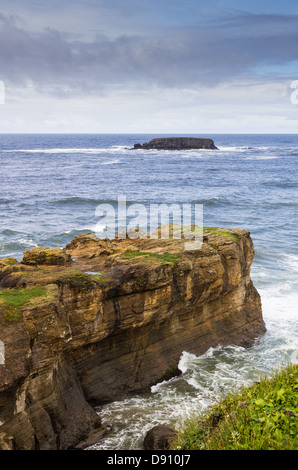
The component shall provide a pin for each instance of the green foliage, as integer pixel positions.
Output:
(260, 417)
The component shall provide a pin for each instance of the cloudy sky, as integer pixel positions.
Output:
(148, 66)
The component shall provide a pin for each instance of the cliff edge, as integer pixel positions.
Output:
(101, 319)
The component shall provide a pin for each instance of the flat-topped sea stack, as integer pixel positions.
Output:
(101, 319)
(177, 143)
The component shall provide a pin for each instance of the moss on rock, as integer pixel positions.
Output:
(46, 256)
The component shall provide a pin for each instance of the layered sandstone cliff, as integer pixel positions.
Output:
(102, 319)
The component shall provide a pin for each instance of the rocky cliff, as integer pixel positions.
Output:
(102, 319)
(177, 143)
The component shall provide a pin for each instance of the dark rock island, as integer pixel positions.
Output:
(102, 319)
(177, 143)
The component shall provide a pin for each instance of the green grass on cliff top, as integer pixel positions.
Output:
(261, 417)
(17, 298)
(13, 300)
(219, 231)
(166, 257)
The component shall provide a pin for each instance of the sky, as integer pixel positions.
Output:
(140, 66)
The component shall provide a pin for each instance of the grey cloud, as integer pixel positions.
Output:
(224, 51)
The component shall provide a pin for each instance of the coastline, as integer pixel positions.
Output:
(114, 332)
(263, 204)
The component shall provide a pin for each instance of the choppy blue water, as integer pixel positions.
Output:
(52, 184)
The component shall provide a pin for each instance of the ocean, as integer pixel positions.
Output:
(52, 184)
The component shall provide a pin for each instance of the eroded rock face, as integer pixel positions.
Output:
(73, 339)
(177, 143)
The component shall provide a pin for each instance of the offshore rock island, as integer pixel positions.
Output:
(102, 319)
(177, 143)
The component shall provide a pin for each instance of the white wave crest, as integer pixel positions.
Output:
(115, 148)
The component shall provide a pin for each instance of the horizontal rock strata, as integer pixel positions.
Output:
(110, 318)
